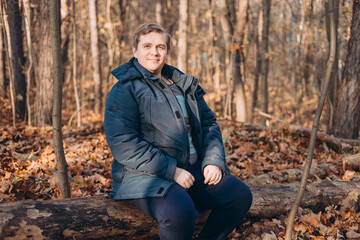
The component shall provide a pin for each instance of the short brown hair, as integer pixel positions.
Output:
(147, 28)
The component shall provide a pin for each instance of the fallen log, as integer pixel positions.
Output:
(102, 218)
(288, 175)
(351, 162)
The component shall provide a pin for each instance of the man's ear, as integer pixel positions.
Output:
(134, 52)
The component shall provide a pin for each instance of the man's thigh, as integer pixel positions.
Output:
(228, 192)
(160, 208)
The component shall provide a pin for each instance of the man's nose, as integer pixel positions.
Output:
(154, 51)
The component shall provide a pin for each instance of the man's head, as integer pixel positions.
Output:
(147, 28)
(151, 47)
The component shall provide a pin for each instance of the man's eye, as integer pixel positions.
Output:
(161, 47)
(146, 46)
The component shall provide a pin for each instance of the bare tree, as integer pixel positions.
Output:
(57, 101)
(95, 59)
(159, 12)
(17, 59)
(183, 35)
(76, 92)
(264, 101)
(215, 81)
(333, 80)
(347, 114)
(9, 56)
(31, 61)
(305, 175)
(239, 87)
(2, 63)
(258, 37)
(44, 63)
(228, 31)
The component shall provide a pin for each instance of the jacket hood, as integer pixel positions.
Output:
(132, 70)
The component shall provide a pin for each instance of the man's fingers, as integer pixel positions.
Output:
(208, 177)
(216, 179)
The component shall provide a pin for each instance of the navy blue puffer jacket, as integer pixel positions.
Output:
(147, 134)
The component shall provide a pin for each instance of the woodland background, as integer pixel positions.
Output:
(260, 62)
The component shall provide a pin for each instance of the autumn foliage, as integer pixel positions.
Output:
(257, 155)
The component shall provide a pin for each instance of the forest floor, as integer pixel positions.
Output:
(28, 166)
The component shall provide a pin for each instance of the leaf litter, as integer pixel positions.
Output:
(268, 155)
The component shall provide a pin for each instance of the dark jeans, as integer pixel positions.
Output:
(228, 201)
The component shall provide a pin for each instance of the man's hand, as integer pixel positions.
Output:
(183, 178)
(212, 174)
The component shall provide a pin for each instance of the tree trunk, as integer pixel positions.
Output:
(76, 92)
(159, 12)
(31, 60)
(292, 49)
(9, 56)
(2, 63)
(98, 217)
(347, 114)
(57, 101)
(309, 55)
(228, 31)
(239, 87)
(333, 80)
(183, 35)
(95, 59)
(44, 69)
(212, 58)
(264, 101)
(18, 59)
(258, 37)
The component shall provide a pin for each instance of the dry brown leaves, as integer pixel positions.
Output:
(261, 155)
(28, 164)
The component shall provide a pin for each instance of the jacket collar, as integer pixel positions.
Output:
(133, 70)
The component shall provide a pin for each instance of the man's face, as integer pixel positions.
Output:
(152, 52)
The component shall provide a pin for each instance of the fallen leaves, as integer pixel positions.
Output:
(256, 155)
(28, 164)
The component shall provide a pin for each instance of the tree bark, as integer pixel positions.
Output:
(9, 56)
(228, 31)
(99, 217)
(333, 79)
(30, 67)
(258, 37)
(347, 115)
(17, 60)
(76, 92)
(159, 12)
(57, 101)
(95, 58)
(183, 35)
(310, 52)
(265, 58)
(239, 86)
(2, 63)
(44, 67)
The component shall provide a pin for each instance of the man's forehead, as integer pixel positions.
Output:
(153, 36)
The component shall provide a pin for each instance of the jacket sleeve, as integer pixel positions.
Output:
(213, 147)
(123, 135)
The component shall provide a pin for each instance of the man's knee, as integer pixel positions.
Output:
(242, 197)
(182, 215)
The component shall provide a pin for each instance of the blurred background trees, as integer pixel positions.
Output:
(221, 41)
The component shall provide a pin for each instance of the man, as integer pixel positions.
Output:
(167, 147)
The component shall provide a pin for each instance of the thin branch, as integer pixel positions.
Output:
(330, 63)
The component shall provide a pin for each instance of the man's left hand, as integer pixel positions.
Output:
(212, 174)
